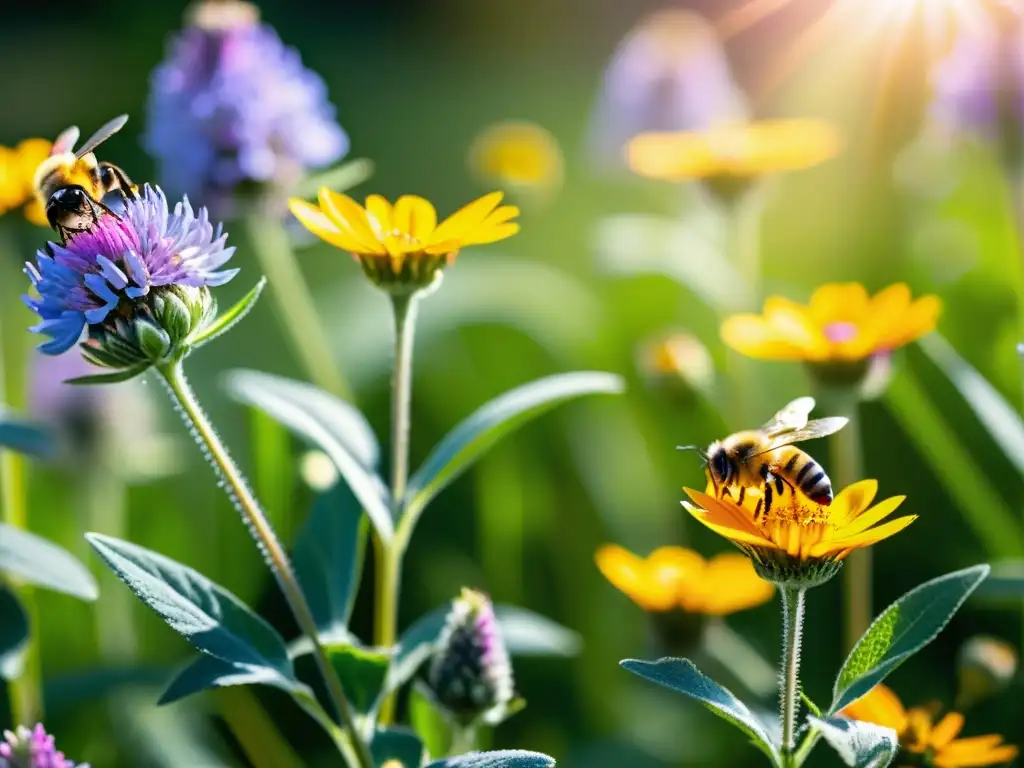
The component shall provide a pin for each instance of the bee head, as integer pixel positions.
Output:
(718, 464)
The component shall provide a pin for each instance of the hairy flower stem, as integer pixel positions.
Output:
(846, 462)
(792, 632)
(274, 554)
(388, 555)
(294, 304)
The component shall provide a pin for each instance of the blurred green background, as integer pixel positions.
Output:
(413, 83)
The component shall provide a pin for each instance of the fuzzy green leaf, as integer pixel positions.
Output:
(901, 630)
(683, 676)
(328, 556)
(399, 744)
(35, 560)
(493, 421)
(429, 722)
(14, 634)
(206, 672)
(115, 377)
(228, 320)
(204, 613)
(334, 426)
(362, 672)
(505, 758)
(339, 179)
(860, 745)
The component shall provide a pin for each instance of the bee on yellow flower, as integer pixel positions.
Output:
(520, 155)
(922, 738)
(678, 587)
(838, 331)
(401, 247)
(799, 542)
(17, 170)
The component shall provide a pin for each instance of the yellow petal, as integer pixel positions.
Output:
(721, 512)
(467, 218)
(487, 234)
(732, 534)
(860, 540)
(775, 146)
(501, 214)
(319, 224)
(733, 585)
(35, 213)
(750, 335)
(851, 502)
(681, 570)
(672, 156)
(415, 216)
(349, 216)
(946, 730)
(839, 302)
(879, 706)
(975, 753)
(869, 517)
(630, 575)
(380, 211)
(920, 319)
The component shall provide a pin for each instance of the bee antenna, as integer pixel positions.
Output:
(695, 448)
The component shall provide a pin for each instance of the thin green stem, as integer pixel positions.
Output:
(846, 463)
(294, 303)
(276, 558)
(811, 738)
(792, 633)
(388, 555)
(26, 691)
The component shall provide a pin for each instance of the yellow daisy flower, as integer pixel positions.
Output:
(798, 541)
(919, 735)
(680, 356)
(840, 324)
(401, 247)
(741, 151)
(17, 171)
(674, 578)
(517, 154)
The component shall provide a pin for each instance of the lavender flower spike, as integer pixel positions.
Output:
(232, 106)
(32, 749)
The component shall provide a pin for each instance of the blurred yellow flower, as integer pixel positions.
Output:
(673, 578)
(918, 735)
(799, 540)
(401, 246)
(517, 154)
(17, 171)
(840, 324)
(681, 356)
(736, 151)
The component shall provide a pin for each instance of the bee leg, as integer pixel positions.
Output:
(767, 497)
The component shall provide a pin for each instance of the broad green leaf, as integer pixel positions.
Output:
(1005, 582)
(487, 425)
(683, 676)
(205, 672)
(340, 178)
(14, 634)
(334, 426)
(505, 758)
(116, 377)
(228, 320)
(399, 744)
(860, 745)
(526, 634)
(35, 560)
(328, 556)
(204, 613)
(901, 630)
(429, 722)
(995, 524)
(362, 672)
(30, 439)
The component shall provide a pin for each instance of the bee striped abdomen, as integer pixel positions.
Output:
(804, 473)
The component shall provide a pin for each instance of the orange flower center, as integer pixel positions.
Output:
(794, 513)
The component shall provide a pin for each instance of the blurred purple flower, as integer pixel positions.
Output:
(120, 260)
(33, 748)
(232, 106)
(670, 73)
(471, 675)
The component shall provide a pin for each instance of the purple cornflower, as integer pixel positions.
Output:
(670, 73)
(33, 748)
(471, 675)
(232, 105)
(120, 262)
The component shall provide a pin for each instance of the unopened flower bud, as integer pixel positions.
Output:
(985, 666)
(32, 748)
(471, 675)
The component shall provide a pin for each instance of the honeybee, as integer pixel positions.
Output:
(72, 185)
(766, 457)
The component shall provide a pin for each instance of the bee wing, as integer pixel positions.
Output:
(793, 416)
(102, 135)
(66, 141)
(813, 429)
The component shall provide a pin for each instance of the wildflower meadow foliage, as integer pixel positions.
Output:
(416, 586)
